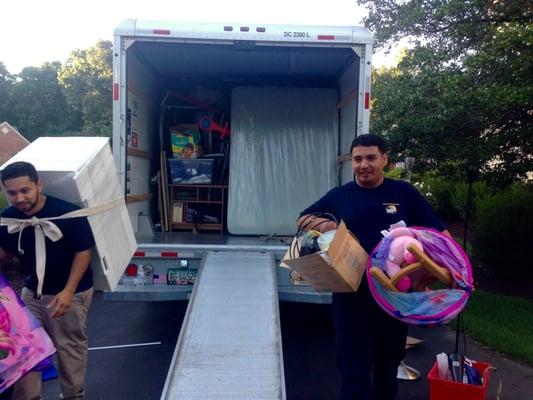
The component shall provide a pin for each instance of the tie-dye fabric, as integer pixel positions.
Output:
(430, 306)
(24, 344)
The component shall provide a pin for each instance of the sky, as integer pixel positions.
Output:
(36, 31)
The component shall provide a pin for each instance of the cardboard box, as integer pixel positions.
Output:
(81, 170)
(178, 214)
(344, 270)
(186, 142)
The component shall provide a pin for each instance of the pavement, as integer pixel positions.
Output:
(139, 372)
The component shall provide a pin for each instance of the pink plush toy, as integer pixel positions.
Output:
(399, 255)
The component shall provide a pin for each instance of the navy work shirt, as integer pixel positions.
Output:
(367, 212)
(77, 236)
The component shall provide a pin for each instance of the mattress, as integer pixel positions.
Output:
(284, 145)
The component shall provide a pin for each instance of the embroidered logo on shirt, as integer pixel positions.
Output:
(391, 208)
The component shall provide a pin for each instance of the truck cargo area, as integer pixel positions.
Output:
(223, 135)
(171, 86)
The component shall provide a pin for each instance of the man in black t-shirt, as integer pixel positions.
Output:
(67, 285)
(370, 343)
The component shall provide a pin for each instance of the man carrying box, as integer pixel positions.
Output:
(59, 296)
(370, 343)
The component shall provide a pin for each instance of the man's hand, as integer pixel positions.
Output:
(317, 223)
(328, 226)
(61, 303)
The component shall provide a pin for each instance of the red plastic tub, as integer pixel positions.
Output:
(441, 389)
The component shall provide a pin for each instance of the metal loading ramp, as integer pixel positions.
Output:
(230, 342)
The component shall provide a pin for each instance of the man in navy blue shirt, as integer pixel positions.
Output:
(67, 287)
(370, 343)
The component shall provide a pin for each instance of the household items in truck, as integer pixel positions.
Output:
(191, 171)
(206, 123)
(186, 143)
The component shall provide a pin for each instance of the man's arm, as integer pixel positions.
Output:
(63, 300)
(320, 224)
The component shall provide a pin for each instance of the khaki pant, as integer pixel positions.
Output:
(70, 339)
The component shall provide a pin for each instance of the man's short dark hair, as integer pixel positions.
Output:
(18, 169)
(368, 140)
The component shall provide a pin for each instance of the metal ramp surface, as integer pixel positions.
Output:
(230, 341)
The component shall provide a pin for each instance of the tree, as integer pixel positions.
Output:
(40, 106)
(6, 101)
(86, 80)
(462, 96)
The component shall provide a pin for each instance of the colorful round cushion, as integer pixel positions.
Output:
(427, 307)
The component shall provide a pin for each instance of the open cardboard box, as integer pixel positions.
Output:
(344, 271)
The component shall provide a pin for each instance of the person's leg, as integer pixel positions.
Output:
(353, 346)
(389, 337)
(28, 387)
(70, 338)
(6, 394)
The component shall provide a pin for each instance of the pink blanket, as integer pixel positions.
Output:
(24, 344)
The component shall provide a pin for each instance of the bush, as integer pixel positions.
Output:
(438, 192)
(502, 231)
(459, 194)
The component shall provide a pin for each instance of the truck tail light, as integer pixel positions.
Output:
(131, 269)
(115, 91)
(367, 100)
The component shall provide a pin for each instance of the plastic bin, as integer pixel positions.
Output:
(441, 389)
(191, 171)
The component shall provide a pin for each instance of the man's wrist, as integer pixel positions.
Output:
(69, 289)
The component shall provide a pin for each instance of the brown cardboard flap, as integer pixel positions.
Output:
(319, 273)
(340, 270)
(348, 257)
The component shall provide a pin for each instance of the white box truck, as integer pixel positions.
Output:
(272, 111)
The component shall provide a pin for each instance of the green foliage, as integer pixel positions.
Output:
(440, 198)
(461, 98)
(502, 233)
(6, 102)
(39, 104)
(396, 173)
(502, 323)
(459, 194)
(86, 80)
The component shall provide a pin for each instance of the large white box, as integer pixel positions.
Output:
(81, 170)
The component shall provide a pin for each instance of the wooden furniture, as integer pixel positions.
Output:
(433, 269)
(201, 198)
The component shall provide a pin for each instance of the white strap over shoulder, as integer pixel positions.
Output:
(45, 228)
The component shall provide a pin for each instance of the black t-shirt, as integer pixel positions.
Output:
(367, 212)
(77, 236)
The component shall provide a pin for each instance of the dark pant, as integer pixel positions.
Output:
(6, 394)
(370, 346)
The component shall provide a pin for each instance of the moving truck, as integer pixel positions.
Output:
(267, 111)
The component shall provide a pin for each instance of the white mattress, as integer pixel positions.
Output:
(81, 170)
(284, 145)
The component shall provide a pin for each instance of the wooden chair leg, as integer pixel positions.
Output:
(442, 274)
(382, 278)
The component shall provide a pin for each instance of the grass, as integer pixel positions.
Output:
(502, 323)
